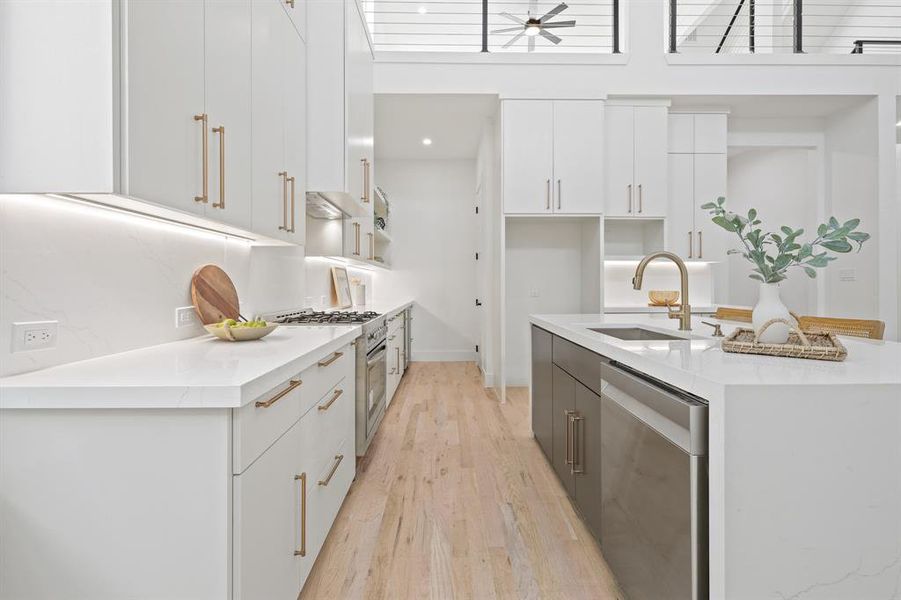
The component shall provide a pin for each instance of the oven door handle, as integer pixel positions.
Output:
(379, 355)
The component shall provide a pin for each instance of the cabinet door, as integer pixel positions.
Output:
(528, 156)
(619, 148)
(681, 134)
(267, 526)
(295, 103)
(269, 189)
(578, 156)
(588, 456)
(680, 233)
(401, 350)
(393, 378)
(165, 91)
(564, 404)
(710, 132)
(360, 106)
(297, 12)
(542, 391)
(227, 28)
(712, 241)
(650, 161)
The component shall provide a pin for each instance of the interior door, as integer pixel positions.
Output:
(227, 38)
(681, 236)
(564, 405)
(542, 391)
(295, 102)
(588, 457)
(650, 161)
(267, 527)
(619, 148)
(578, 156)
(528, 156)
(165, 90)
(269, 24)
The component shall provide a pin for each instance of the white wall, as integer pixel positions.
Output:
(113, 281)
(660, 275)
(433, 229)
(852, 190)
(781, 184)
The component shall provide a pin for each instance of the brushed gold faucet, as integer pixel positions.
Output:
(684, 312)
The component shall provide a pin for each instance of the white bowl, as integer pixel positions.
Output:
(240, 334)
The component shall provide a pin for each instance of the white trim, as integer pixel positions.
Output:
(650, 100)
(787, 60)
(445, 356)
(505, 58)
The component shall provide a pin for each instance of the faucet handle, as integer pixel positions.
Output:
(717, 328)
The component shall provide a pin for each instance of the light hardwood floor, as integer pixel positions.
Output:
(455, 500)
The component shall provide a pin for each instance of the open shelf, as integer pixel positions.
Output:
(382, 236)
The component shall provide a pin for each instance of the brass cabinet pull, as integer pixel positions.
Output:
(284, 225)
(303, 514)
(700, 246)
(292, 385)
(206, 154)
(364, 196)
(290, 3)
(292, 180)
(640, 195)
(368, 181)
(221, 131)
(547, 195)
(629, 197)
(338, 459)
(397, 361)
(331, 401)
(356, 239)
(559, 195)
(691, 244)
(371, 245)
(578, 446)
(326, 362)
(568, 459)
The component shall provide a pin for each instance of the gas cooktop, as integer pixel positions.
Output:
(335, 317)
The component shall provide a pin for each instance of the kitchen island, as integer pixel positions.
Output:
(803, 456)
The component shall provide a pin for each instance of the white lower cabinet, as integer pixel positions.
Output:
(397, 352)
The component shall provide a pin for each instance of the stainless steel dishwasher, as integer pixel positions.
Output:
(653, 487)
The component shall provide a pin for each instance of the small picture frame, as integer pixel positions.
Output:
(341, 283)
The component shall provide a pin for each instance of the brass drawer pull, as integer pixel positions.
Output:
(284, 225)
(328, 361)
(303, 514)
(291, 386)
(205, 145)
(292, 181)
(338, 459)
(221, 131)
(331, 401)
(290, 3)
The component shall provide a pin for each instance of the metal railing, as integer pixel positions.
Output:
(580, 26)
(784, 26)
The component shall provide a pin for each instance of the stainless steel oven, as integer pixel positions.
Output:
(372, 373)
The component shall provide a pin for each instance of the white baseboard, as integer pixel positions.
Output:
(488, 380)
(517, 382)
(445, 356)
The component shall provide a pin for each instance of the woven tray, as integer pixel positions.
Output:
(817, 345)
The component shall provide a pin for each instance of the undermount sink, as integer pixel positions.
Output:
(635, 333)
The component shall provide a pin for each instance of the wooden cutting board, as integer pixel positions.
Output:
(214, 295)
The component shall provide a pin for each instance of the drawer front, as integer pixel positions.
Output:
(395, 321)
(582, 364)
(330, 422)
(325, 374)
(258, 424)
(327, 490)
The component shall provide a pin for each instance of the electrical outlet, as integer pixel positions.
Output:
(185, 316)
(323, 301)
(533, 293)
(847, 275)
(35, 335)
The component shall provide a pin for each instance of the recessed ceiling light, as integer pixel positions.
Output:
(426, 141)
(422, 10)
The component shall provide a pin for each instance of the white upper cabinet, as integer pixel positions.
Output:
(552, 156)
(297, 12)
(702, 133)
(527, 131)
(164, 105)
(636, 154)
(695, 180)
(56, 96)
(295, 119)
(680, 221)
(578, 156)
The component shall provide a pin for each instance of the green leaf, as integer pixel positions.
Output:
(782, 261)
(858, 236)
(818, 261)
(812, 273)
(837, 245)
(833, 223)
(708, 206)
(852, 224)
(722, 222)
(752, 214)
(822, 230)
(733, 251)
(756, 276)
(792, 247)
(806, 250)
(721, 200)
(786, 230)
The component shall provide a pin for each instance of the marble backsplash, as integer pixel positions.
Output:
(113, 281)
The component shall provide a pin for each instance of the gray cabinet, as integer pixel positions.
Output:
(542, 390)
(564, 403)
(587, 465)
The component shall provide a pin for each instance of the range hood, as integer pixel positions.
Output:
(333, 205)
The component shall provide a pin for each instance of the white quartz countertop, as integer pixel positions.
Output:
(699, 366)
(199, 372)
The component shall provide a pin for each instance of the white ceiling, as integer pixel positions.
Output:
(772, 106)
(452, 121)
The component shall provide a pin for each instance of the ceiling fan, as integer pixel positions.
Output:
(532, 27)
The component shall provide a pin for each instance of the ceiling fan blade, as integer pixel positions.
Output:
(508, 29)
(513, 18)
(554, 12)
(531, 43)
(515, 39)
(549, 36)
(558, 24)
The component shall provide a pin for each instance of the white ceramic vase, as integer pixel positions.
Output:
(770, 306)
